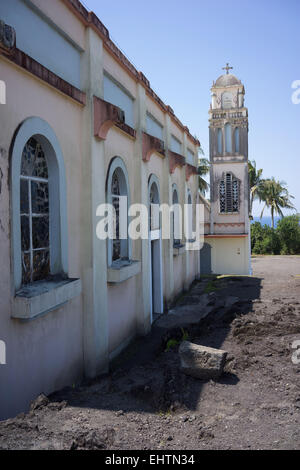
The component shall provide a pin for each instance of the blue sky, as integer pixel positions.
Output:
(181, 47)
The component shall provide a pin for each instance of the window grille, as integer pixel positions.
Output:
(115, 190)
(229, 194)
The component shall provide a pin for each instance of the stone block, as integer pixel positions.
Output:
(201, 362)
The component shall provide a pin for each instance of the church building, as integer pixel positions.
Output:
(81, 127)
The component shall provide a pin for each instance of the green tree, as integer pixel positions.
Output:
(288, 230)
(257, 235)
(275, 196)
(255, 182)
(264, 240)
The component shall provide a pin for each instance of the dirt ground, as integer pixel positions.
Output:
(146, 402)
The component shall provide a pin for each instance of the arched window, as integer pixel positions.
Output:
(39, 209)
(118, 196)
(228, 142)
(190, 216)
(34, 213)
(237, 140)
(220, 141)
(176, 217)
(229, 194)
(154, 214)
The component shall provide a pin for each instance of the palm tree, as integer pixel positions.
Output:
(203, 169)
(275, 196)
(255, 182)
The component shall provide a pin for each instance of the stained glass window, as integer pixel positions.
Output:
(117, 196)
(229, 194)
(115, 190)
(190, 217)
(154, 208)
(34, 213)
(176, 222)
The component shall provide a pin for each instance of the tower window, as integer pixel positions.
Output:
(229, 194)
(220, 141)
(237, 139)
(228, 141)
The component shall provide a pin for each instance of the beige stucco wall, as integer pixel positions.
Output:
(178, 274)
(122, 305)
(44, 354)
(122, 314)
(59, 348)
(229, 255)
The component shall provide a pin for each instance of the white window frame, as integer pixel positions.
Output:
(176, 216)
(190, 209)
(41, 131)
(117, 164)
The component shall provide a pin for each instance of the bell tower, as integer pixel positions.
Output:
(229, 232)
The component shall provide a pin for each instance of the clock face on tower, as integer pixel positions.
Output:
(227, 100)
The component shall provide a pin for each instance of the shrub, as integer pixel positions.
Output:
(285, 239)
(288, 230)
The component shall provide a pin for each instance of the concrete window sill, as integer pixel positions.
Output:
(122, 270)
(42, 297)
(178, 250)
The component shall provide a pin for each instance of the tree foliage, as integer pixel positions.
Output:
(255, 182)
(285, 239)
(276, 197)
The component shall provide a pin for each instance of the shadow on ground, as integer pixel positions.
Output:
(147, 377)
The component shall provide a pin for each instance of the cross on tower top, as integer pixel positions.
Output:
(227, 68)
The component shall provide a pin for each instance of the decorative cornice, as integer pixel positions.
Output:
(33, 67)
(190, 170)
(127, 129)
(175, 160)
(228, 224)
(91, 20)
(152, 144)
(107, 115)
(226, 235)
